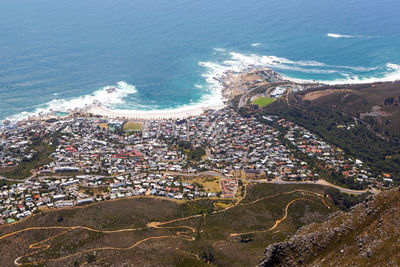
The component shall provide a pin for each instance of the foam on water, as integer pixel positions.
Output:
(211, 99)
(391, 73)
(214, 72)
(106, 96)
(157, 47)
(237, 62)
(388, 73)
(336, 35)
(110, 96)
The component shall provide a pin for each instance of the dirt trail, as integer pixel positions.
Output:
(42, 247)
(158, 225)
(186, 234)
(277, 222)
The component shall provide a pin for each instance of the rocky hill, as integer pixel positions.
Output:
(367, 235)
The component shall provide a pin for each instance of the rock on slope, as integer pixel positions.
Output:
(367, 235)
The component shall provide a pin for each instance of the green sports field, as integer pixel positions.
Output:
(263, 101)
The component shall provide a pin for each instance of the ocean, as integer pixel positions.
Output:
(158, 54)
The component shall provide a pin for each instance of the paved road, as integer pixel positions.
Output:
(243, 99)
(325, 183)
(12, 180)
(211, 173)
(278, 180)
(275, 181)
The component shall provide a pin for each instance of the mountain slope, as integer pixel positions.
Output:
(363, 120)
(368, 235)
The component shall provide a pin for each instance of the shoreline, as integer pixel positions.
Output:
(150, 115)
(232, 83)
(225, 80)
(138, 115)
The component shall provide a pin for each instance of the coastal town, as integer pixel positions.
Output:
(199, 133)
(95, 159)
(77, 157)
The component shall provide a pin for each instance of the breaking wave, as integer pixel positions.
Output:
(336, 35)
(237, 62)
(213, 75)
(390, 72)
(110, 96)
(107, 96)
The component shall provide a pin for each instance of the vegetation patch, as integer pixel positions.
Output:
(206, 183)
(196, 153)
(133, 126)
(23, 170)
(226, 232)
(263, 101)
(366, 138)
(192, 153)
(345, 201)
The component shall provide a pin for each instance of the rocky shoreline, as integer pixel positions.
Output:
(237, 83)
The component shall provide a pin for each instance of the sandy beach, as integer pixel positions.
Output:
(232, 84)
(151, 115)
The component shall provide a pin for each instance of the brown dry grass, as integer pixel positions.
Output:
(140, 212)
(318, 94)
(250, 77)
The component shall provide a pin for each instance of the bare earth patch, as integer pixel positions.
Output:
(318, 94)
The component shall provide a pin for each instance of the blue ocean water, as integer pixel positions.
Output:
(163, 54)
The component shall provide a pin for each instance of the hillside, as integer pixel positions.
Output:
(368, 235)
(158, 232)
(363, 120)
(377, 103)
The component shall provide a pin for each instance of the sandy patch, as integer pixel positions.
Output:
(318, 94)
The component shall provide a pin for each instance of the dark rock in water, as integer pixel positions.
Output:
(111, 90)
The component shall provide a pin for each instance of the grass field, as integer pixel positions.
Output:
(208, 184)
(263, 101)
(172, 233)
(133, 126)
